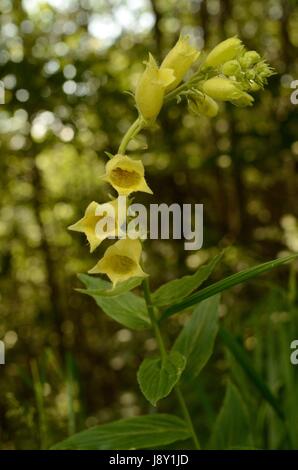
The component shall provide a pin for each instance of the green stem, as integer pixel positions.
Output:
(172, 94)
(187, 417)
(133, 130)
(38, 390)
(150, 308)
(163, 353)
(192, 82)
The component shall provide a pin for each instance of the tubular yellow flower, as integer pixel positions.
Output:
(95, 213)
(224, 51)
(204, 105)
(150, 89)
(121, 261)
(180, 59)
(126, 175)
(223, 89)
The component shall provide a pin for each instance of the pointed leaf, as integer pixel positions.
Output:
(127, 309)
(107, 290)
(157, 377)
(232, 427)
(196, 340)
(224, 284)
(178, 289)
(239, 353)
(139, 432)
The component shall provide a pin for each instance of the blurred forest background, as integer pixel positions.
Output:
(66, 65)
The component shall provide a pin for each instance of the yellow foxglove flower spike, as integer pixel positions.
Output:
(224, 51)
(95, 213)
(126, 175)
(150, 89)
(180, 59)
(223, 89)
(121, 261)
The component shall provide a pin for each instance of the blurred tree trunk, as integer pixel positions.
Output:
(55, 304)
(156, 29)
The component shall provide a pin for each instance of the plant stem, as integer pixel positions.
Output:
(38, 390)
(163, 353)
(150, 308)
(192, 82)
(133, 130)
(187, 416)
(172, 94)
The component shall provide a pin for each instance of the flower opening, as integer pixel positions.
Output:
(126, 175)
(121, 261)
(100, 221)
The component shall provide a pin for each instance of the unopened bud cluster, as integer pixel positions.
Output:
(236, 72)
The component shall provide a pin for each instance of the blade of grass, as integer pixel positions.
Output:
(70, 394)
(38, 391)
(224, 284)
(240, 355)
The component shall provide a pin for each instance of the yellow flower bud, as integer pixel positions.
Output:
(224, 51)
(95, 213)
(244, 100)
(232, 67)
(250, 58)
(203, 105)
(223, 89)
(121, 261)
(180, 59)
(150, 89)
(126, 175)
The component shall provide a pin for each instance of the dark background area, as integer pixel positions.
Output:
(66, 67)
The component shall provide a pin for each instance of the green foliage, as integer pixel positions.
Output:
(241, 357)
(158, 376)
(232, 426)
(227, 283)
(132, 433)
(108, 290)
(127, 309)
(178, 289)
(240, 164)
(196, 340)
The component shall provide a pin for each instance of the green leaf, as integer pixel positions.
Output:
(232, 427)
(224, 284)
(157, 377)
(127, 309)
(196, 340)
(243, 359)
(179, 288)
(107, 289)
(108, 154)
(131, 433)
